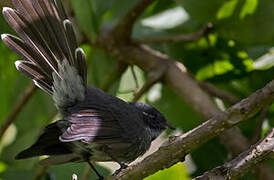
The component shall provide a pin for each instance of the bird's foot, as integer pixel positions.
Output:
(122, 166)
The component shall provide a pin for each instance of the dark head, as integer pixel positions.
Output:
(153, 118)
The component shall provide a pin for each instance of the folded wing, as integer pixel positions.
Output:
(93, 126)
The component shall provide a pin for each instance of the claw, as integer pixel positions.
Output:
(122, 166)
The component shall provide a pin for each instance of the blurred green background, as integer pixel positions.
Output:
(236, 56)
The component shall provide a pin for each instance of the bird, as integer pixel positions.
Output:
(94, 125)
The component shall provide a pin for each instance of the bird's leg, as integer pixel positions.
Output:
(122, 166)
(94, 169)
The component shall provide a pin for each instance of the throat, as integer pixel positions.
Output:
(153, 133)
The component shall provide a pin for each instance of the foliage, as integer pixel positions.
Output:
(236, 56)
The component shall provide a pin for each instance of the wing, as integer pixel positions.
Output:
(48, 143)
(92, 125)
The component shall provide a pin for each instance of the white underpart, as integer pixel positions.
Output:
(70, 88)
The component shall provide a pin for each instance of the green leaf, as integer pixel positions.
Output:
(100, 65)
(3, 167)
(86, 18)
(102, 6)
(248, 8)
(217, 68)
(227, 9)
(176, 172)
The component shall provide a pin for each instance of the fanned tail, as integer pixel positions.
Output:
(49, 49)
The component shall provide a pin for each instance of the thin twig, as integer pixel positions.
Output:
(152, 78)
(133, 72)
(29, 91)
(258, 132)
(143, 90)
(177, 38)
(86, 173)
(40, 172)
(245, 161)
(117, 72)
(224, 95)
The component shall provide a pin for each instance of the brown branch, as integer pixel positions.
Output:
(17, 108)
(177, 38)
(224, 95)
(124, 28)
(174, 152)
(117, 72)
(245, 161)
(234, 145)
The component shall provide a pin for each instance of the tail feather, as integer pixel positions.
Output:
(28, 33)
(22, 49)
(62, 13)
(46, 11)
(61, 159)
(35, 73)
(48, 44)
(72, 43)
(81, 59)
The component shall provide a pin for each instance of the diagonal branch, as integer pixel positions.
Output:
(123, 29)
(174, 152)
(17, 108)
(245, 161)
(178, 38)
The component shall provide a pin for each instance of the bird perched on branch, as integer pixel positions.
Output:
(95, 126)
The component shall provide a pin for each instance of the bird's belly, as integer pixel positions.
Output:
(122, 152)
(100, 156)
